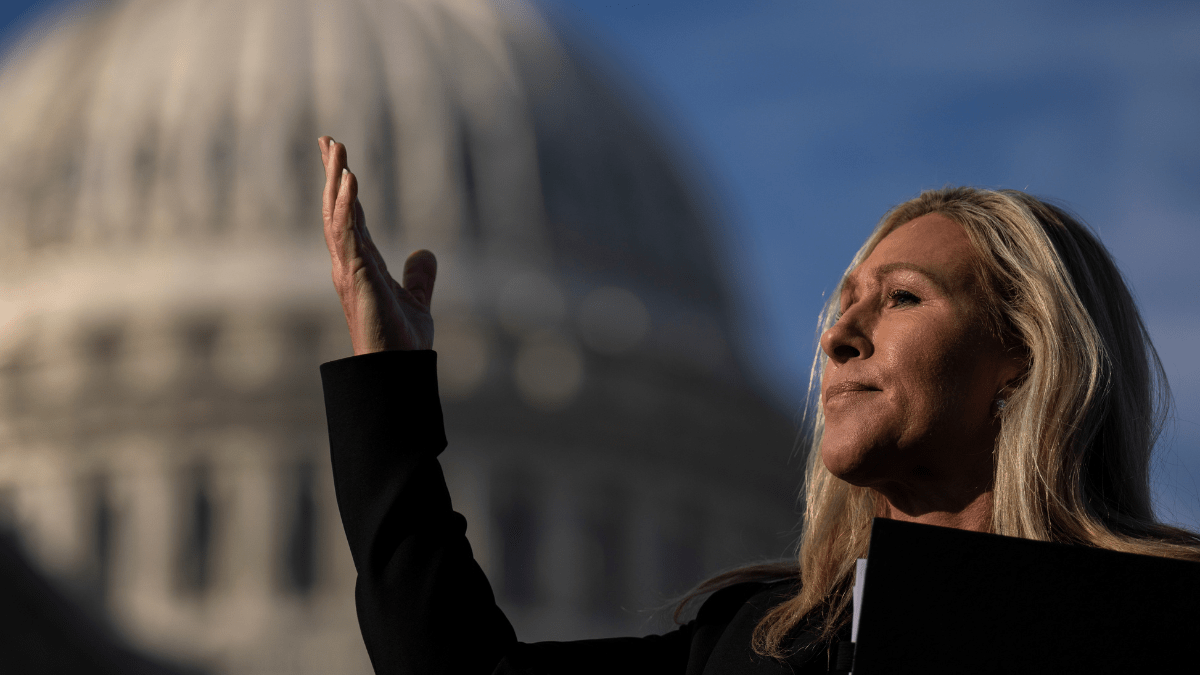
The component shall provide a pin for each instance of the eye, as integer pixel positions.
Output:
(901, 297)
(841, 311)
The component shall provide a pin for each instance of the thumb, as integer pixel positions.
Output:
(420, 271)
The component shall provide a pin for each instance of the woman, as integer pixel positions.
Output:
(983, 366)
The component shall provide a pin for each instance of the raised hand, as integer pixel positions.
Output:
(381, 313)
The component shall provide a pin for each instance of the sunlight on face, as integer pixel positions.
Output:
(913, 369)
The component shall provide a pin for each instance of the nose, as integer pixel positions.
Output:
(845, 340)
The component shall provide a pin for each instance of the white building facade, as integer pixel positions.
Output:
(166, 301)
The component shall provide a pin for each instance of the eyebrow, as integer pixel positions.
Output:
(884, 270)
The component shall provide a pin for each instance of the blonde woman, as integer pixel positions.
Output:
(983, 366)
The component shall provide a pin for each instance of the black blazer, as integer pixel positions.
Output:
(425, 606)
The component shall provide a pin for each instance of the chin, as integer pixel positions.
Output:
(850, 464)
(863, 455)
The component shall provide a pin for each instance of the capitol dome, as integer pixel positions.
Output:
(166, 301)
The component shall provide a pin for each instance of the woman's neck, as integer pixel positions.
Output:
(975, 516)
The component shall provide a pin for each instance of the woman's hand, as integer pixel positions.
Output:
(381, 313)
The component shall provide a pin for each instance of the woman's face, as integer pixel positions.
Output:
(914, 372)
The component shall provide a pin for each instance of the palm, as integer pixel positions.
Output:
(382, 314)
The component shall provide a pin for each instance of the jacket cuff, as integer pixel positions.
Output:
(365, 397)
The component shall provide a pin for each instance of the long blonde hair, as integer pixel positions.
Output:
(1072, 459)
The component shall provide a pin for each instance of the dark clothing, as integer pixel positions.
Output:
(425, 606)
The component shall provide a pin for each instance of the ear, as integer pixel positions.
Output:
(1013, 367)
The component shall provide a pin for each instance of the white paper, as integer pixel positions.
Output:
(860, 578)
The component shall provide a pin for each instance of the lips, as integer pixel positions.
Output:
(847, 387)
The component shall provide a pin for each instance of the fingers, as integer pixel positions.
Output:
(330, 193)
(330, 151)
(348, 238)
(333, 156)
(420, 271)
(360, 223)
(323, 143)
(346, 245)
(340, 191)
(365, 242)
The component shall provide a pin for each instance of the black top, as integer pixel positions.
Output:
(424, 604)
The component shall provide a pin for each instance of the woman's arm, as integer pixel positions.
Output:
(424, 605)
(419, 592)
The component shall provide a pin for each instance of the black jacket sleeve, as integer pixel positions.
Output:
(421, 597)
(424, 605)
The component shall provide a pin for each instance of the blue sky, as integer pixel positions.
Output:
(808, 120)
(811, 119)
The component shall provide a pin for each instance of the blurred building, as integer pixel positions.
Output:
(166, 300)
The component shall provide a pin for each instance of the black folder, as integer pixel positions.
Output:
(940, 600)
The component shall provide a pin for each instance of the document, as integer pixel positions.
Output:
(940, 600)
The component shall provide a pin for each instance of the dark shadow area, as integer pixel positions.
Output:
(43, 632)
